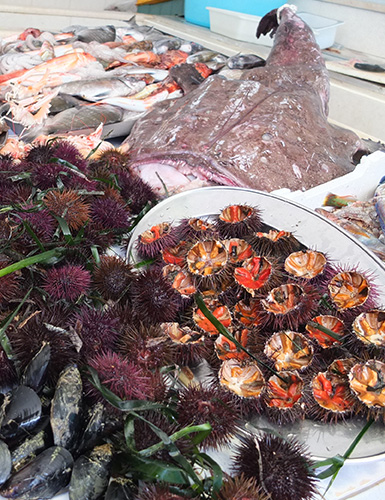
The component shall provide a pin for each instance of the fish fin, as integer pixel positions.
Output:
(268, 23)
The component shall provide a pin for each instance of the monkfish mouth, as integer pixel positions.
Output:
(174, 173)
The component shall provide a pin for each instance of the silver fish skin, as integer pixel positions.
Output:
(165, 44)
(99, 34)
(158, 74)
(245, 61)
(96, 90)
(202, 56)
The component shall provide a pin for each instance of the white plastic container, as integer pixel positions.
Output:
(244, 26)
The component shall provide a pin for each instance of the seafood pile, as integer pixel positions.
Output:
(292, 334)
(363, 219)
(268, 130)
(92, 358)
(74, 80)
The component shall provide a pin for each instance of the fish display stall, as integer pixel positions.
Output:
(219, 343)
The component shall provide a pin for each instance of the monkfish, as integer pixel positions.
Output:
(266, 128)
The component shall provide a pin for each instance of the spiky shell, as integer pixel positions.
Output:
(281, 467)
(275, 243)
(236, 221)
(220, 311)
(199, 405)
(332, 393)
(195, 229)
(154, 240)
(112, 277)
(289, 351)
(349, 289)
(258, 275)
(238, 250)
(241, 488)
(207, 260)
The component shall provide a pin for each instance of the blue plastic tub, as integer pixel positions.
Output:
(195, 10)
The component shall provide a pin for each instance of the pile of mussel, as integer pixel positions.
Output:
(51, 439)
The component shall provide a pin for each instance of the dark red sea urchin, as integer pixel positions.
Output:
(153, 298)
(137, 192)
(236, 221)
(9, 284)
(280, 466)
(97, 329)
(122, 377)
(112, 277)
(198, 405)
(107, 213)
(67, 282)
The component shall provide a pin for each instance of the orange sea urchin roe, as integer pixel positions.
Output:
(332, 392)
(305, 264)
(331, 323)
(206, 258)
(220, 311)
(367, 380)
(284, 394)
(181, 280)
(238, 250)
(283, 299)
(254, 274)
(235, 213)
(289, 351)
(225, 349)
(349, 289)
(248, 313)
(370, 327)
(155, 233)
(243, 378)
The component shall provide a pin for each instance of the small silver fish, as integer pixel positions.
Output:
(245, 61)
(203, 56)
(165, 44)
(98, 89)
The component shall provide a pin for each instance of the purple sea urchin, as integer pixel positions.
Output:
(112, 277)
(44, 326)
(10, 283)
(148, 346)
(66, 151)
(135, 191)
(108, 213)
(97, 329)
(275, 243)
(153, 298)
(157, 492)
(236, 221)
(42, 224)
(124, 378)
(281, 467)
(67, 282)
(198, 405)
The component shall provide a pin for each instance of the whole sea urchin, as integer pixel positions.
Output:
(199, 405)
(281, 467)
(112, 277)
(67, 282)
(69, 205)
(153, 298)
(241, 488)
(122, 377)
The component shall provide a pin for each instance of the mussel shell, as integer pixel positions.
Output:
(66, 414)
(120, 488)
(35, 373)
(22, 413)
(99, 424)
(90, 474)
(28, 449)
(5, 462)
(41, 478)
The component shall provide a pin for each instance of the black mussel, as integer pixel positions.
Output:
(22, 413)
(99, 424)
(41, 478)
(66, 414)
(8, 376)
(35, 373)
(90, 475)
(120, 488)
(28, 449)
(5, 462)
